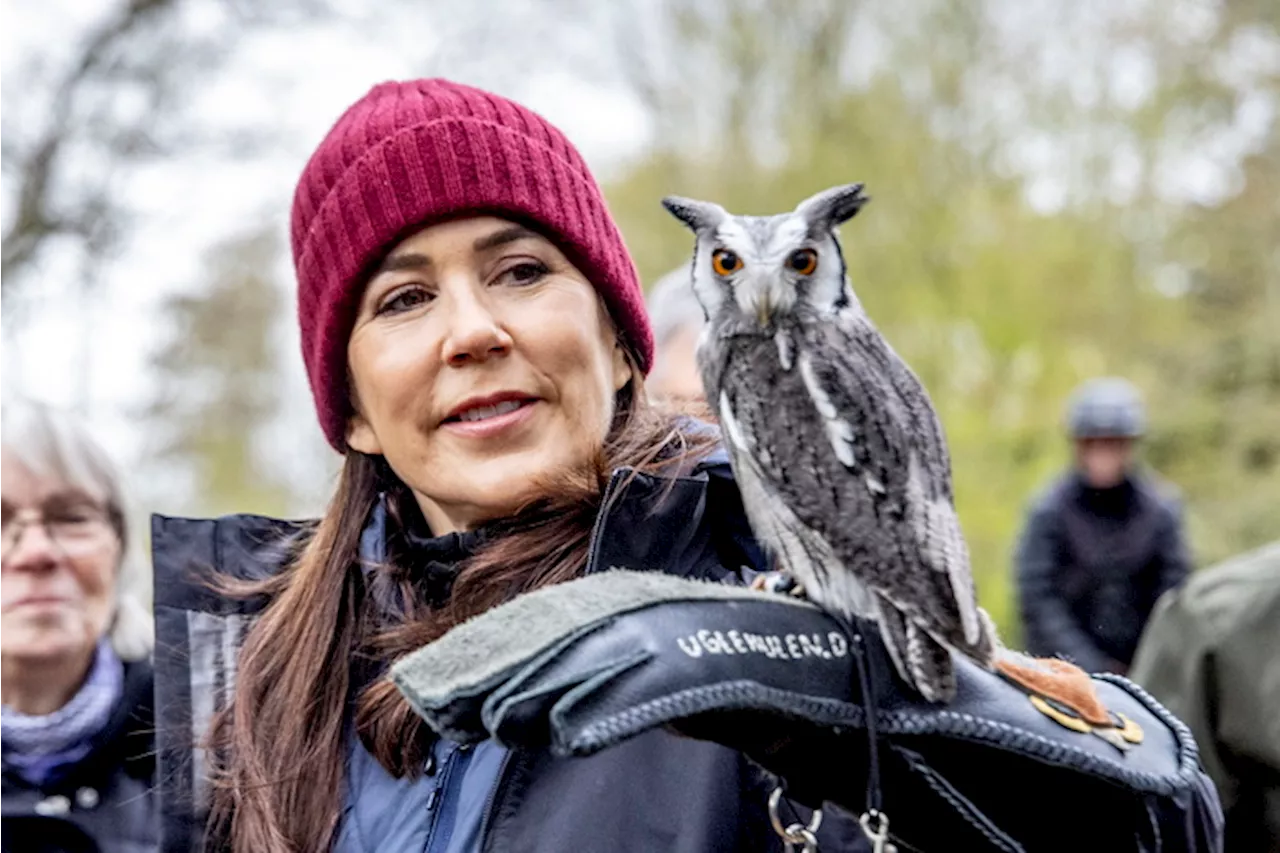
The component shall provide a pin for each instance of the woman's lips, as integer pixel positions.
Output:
(38, 602)
(493, 425)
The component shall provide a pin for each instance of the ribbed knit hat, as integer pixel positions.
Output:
(411, 153)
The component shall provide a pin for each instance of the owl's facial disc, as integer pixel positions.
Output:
(763, 293)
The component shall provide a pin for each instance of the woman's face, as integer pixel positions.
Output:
(482, 365)
(59, 577)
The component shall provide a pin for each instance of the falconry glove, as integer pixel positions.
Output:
(1025, 760)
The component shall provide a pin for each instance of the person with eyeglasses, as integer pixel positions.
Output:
(75, 638)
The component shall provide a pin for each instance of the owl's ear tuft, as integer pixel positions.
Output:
(698, 215)
(832, 207)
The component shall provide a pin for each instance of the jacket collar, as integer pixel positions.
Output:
(646, 522)
(672, 524)
(686, 525)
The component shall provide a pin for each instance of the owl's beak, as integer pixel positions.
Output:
(764, 310)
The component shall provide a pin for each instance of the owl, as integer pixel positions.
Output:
(838, 452)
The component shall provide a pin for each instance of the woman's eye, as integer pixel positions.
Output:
(404, 300)
(525, 272)
(71, 517)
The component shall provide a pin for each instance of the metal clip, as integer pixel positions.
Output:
(879, 837)
(795, 836)
(799, 835)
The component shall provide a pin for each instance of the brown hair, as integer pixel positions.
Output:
(277, 750)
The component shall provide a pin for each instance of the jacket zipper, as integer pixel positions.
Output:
(461, 755)
(597, 529)
(495, 793)
(593, 548)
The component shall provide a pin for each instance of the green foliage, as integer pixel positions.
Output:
(1219, 390)
(1001, 307)
(1003, 310)
(218, 382)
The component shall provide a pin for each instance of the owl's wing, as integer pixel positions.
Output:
(856, 369)
(850, 444)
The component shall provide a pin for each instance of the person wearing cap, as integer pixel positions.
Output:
(476, 341)
(1102, 543)
(677, 318)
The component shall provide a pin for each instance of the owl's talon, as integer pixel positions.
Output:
(781, 583)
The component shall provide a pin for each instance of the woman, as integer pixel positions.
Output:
(476, 341)
(77, 721)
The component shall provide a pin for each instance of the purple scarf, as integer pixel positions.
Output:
(40, 747)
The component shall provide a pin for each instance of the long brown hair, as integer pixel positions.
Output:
(278, 749)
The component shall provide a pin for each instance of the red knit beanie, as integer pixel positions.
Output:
(408, 154)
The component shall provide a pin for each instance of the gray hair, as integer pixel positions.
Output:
(55, 445)
(673, 307)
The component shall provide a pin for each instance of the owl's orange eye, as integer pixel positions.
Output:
(725, 262)
(803, 261)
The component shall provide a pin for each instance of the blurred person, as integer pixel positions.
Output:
(77, 725)
(1211, 654)
(677, 319)
(476, 341)
(1103, 543)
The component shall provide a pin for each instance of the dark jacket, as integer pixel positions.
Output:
(1091, 564)
(105, 802)
(1211, 653)
(654, 792)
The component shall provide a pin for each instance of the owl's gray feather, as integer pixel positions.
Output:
(840, 456)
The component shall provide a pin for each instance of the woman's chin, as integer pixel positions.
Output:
(500, 487)
(44, 641)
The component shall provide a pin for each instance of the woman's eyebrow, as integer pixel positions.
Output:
(501, 238)
(70, 497)
(403, 261)
(418, 261)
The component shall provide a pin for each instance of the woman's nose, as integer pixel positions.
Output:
(475, 333)
(30, 548)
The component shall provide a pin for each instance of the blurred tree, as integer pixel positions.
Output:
(1059, 190)
(1003, 278)
(217, 382)
(110, 101)
(1219, 397)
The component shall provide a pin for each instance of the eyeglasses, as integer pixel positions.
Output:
(74, 530)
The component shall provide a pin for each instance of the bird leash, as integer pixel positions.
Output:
(874, 821)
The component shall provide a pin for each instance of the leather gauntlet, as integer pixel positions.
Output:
(1011, 764)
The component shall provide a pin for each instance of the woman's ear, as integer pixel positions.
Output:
(622, 371)
(360, 434)
(361, 437)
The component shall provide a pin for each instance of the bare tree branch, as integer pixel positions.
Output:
(35, 218)
(116, 98)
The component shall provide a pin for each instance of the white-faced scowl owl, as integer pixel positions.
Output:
(838, 452)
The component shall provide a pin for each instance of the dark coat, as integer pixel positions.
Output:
(656, 791)
(1211, 653)
(106, 802)
(1091, 564)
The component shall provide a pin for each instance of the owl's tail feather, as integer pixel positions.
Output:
(922, 661)
(984, 651)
